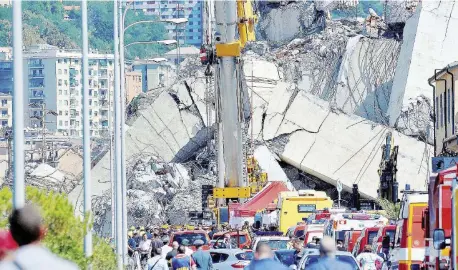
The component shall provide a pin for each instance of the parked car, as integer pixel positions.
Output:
(314, 255)
(275, 242)
(228, 259)
(188, 238)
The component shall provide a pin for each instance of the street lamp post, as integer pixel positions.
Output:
(122, 29)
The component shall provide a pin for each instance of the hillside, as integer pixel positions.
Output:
(43, 22)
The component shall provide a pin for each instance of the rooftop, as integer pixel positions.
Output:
(191, 50)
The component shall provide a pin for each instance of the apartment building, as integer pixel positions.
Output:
(54, 77)
(445, 111)
(190, 33)
(156, 73)
(133, 85)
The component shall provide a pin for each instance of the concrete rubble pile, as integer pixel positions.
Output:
(340, 65)
(171, 125)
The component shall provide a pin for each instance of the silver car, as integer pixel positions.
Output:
(229, 259)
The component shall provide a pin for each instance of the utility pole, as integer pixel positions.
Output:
(123, 132)
(117, 132)
(86, 132)
(18, 109)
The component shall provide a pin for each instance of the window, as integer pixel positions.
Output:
(65, 92)
(4, 102)
(65, 61)
(59, 61)
(4, 123)
(66, 113)
(95, 113)
(453, 111)
(66, 82)
(191, 30)
(60, 122)
(306, 208)
(65, 71)
(191, 23)
(60, 112)
(90, 113)
(66, 102)
(59, 71)
(95, 103)
(66, 123)
(60, 82)
(190, 15)
(441, 111)
(448, 106)
(4, 112)
(90, 102)
(60, 92)
(437, 112)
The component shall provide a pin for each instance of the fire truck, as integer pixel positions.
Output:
(409, 243)
(440, 239)
(438, 215)
(339, 224)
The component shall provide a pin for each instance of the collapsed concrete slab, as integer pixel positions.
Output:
(428, 44)
(162, 130)
(332, 145)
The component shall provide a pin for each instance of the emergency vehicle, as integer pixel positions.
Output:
(388, 230)
(294, 206)
(366, 238)
(339, 224)
(438, 215)
(313, 230)
(409, 247)
(350, 239)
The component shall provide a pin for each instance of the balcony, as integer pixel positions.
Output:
(36, 76)
(37, 87)
(36, 65)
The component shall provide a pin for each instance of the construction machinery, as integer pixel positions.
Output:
(387, 170)
(238, 174)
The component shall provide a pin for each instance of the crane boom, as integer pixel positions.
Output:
(231, 16)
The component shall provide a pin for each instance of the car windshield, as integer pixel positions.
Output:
(285, 257)
(311, 259)
(242, 238)
(299, 233)
(277, 244)
(371, 237)
(189, 238)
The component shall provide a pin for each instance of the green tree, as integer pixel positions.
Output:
(392, 209)
(65, 232)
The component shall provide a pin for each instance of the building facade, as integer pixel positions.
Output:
(54, 77)
(6, 110)
(156, 73)
(190, 33)
(133, 85)
(445, 110)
